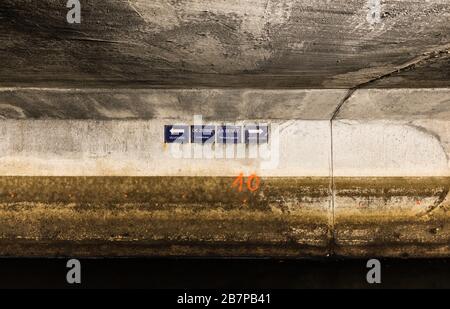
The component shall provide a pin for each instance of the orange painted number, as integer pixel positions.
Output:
(252, 182)
(239, 181)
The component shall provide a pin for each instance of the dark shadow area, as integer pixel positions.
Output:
(224, 273)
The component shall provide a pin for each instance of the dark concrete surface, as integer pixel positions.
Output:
(202, 43)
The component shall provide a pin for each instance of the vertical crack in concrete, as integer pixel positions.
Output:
(349, 94)
(442, 51)
(332, 236)
(345, 99)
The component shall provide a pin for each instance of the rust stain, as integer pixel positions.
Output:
(291, 212)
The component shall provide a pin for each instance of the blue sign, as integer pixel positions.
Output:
(203, 134)
(256, 134)
(229, 134)
(176, 134)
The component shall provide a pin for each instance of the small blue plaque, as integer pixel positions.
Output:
(176, 134)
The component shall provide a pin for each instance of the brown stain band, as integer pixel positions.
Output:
(153, 189)
(286, 216)
(390, 186)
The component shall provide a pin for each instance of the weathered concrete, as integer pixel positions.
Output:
(49, 133)
(400, 217)
(361, 172)
(391, 133)
(136, 148)
(163, 216)
(101, 133)
(175, 104)
(351, 180)
(226, 43)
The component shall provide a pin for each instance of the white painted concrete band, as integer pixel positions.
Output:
(416, 145)
(137, 148)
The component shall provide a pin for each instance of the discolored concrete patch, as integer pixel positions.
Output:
(388, 216)
(172, 104)
(163, 216)
(205, 216)
(357, 175)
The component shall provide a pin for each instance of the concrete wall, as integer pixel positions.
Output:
(84, 169)
(378, 133)
(102, 133)
(393, 133)
(360, 173)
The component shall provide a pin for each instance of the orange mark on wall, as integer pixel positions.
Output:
(239, 181)
(253, 182)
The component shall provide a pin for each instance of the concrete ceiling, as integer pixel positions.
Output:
(226, 43)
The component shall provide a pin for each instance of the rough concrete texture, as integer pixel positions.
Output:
(394, 132)
(171, 104)
(360, 174)
(384, 134)
(204, 216)
(399, 217)
(137, 148)
(226, 43)
(375, 133)
(49, 133)
(163, 216)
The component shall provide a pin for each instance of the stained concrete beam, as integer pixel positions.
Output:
(84, 169)
(391, 173)
(157, 203)
(174, 104)
(391, 201)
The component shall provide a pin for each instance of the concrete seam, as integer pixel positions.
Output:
(332, 236)
(430, 55)
(443, 51)
(332, 183)
(134, 8)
